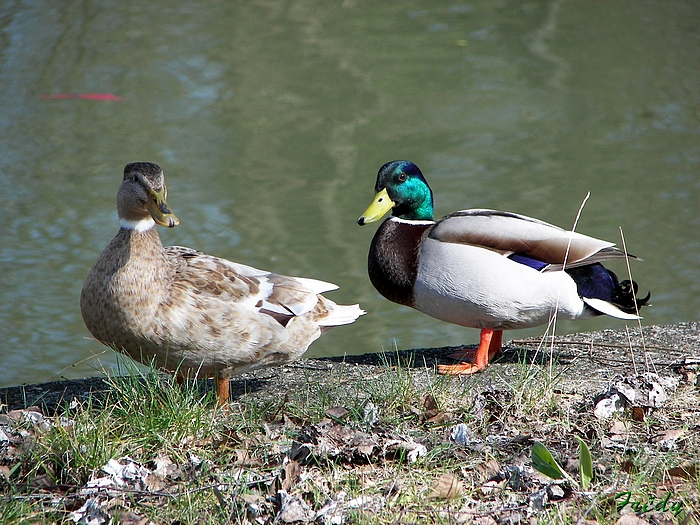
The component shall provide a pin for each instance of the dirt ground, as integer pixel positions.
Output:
(648, 383)
(585, 362)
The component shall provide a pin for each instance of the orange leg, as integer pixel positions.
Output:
(222, 390)
(494, 347)
(489, 348)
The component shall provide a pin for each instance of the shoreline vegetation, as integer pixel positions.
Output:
(378, 438)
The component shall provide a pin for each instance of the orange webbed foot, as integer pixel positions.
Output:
(489, 348)
(461, 369)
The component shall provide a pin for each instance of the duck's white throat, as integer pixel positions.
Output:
(409, 221)
(139, 226)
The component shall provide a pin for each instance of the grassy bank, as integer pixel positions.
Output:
(394, 444)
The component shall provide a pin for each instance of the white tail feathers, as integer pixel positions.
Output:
(604, 307)
(316, 286)
(342, 314)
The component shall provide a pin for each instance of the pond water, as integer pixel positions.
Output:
(271, 119)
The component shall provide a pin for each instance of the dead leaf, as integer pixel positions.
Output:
(638, 413)
(154, 483)
(43, 482)
(292, 474)
(439, 418)
(618, 431)
(686, 471)
(129, 518)
(429, 403)
(244, 459)
(629, 467)
(90, 513)
(631, 519)
(488, 469)
(491, 486)
(337, 412)
(447, 486)
(667, 440)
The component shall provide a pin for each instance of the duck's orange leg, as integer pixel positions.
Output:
(489, 348)
(495, 349)
(222, 390)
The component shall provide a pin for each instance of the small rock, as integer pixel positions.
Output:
(293, 509)
(461, 434)
(610, 404)
(538, 500)
(370, 414)
(90, 513)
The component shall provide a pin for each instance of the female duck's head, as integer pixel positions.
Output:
(141, 198)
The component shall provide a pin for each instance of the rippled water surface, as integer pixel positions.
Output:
(271, 119)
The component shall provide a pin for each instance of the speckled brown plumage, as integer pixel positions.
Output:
(191, 312)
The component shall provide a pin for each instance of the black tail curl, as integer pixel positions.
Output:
(624, 295)
(596, 281)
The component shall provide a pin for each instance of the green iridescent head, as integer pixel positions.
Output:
(401, 188)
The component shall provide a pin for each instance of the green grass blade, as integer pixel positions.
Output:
(543, 462)
(585, 463)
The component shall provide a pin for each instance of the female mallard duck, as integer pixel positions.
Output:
(191, 312)
(486, 269)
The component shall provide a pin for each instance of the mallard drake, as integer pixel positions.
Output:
(486, 269)
(191, 312)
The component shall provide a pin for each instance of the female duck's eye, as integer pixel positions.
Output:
(402, 177)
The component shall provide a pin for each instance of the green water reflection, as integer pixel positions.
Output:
(272, 118)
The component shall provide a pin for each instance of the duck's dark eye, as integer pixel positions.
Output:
(402, 177)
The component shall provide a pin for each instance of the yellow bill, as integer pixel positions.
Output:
(379, 207)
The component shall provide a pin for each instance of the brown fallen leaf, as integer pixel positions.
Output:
(629, 467)
(430, 409)
(638, 413)
(667, 440)
(429, 403)
(130, 518)
(439, 418)
(4, 472)
(685, 471)
(631, 519)
(447, 486)
(244, 459)
(337, 412)
(488, 469)
(292, 474)
(619, 428)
